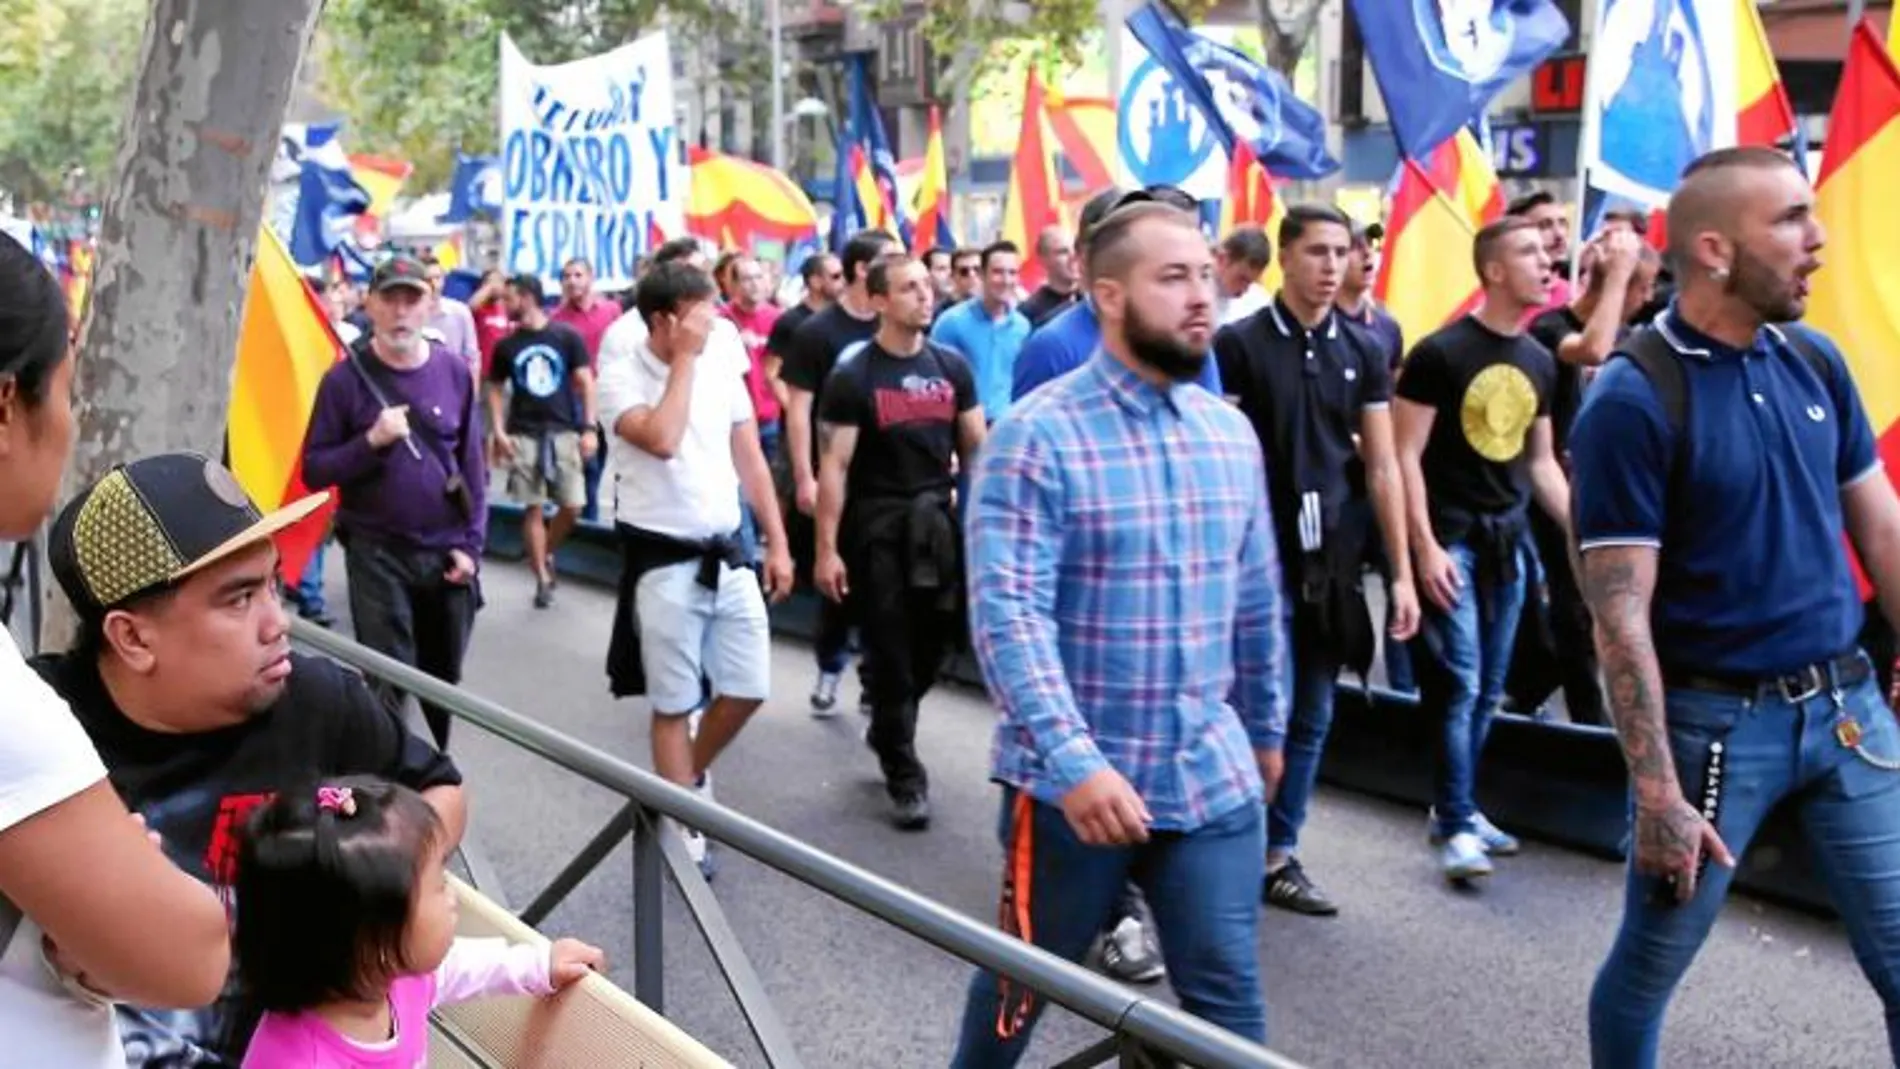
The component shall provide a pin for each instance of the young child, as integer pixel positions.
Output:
(346, 931)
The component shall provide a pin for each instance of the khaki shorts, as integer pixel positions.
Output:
(530, 486)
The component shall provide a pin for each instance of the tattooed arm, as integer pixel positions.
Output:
(1619, 582)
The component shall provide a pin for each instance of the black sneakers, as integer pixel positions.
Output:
(911, 812)
(1289, 888)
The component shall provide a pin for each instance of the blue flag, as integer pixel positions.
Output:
(474, 190)
(1238, 98)
(848, 215)
(328, 197)
(1439, 62)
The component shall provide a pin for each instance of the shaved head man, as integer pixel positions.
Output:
(1056, 253)
(1709, 530)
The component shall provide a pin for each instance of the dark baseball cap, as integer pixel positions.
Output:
(400, 270)
(150, 523)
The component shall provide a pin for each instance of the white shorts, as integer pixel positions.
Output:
(688, 632)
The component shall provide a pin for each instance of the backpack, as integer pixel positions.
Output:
(1662, 366)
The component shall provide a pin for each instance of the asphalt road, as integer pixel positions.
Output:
(1413, 974)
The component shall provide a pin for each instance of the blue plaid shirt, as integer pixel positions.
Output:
(1124, 585)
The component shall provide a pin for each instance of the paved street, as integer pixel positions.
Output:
(1414, 974)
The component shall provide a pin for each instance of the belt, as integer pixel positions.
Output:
(1845, 670)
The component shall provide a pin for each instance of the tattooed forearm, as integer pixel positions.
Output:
(1618, 582)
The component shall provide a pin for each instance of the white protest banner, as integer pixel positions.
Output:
(591, 162)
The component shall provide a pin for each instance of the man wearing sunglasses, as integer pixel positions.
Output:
(1067, 341)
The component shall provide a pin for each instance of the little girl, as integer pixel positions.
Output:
(346, 931)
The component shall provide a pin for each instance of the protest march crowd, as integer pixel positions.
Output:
(1149, 492)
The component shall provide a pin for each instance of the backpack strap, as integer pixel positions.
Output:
(1660, 364)
(1810, 353)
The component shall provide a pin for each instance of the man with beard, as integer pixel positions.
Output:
(895, 412)
(1619, 272)
(1117, 606)
(1474, 440)
(1710, 533)
(817, 347)
(183, 677)
(397, 429)
(541, 424)
(1318, 392)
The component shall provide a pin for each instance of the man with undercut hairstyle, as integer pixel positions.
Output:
(1719, 460)
(1125, 610)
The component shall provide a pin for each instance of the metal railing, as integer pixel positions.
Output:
(1144, 1032)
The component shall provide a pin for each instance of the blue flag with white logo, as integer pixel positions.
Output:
(1238, 98)
(328, 196)
(474, 190)
(1439, 62)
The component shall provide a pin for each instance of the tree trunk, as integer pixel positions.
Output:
(160, 334)
(1285, 28)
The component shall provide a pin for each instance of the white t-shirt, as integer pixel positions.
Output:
(45, 758)
(696, 493)
(1251, 300)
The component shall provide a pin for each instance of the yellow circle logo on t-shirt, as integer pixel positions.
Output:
(1500, 405)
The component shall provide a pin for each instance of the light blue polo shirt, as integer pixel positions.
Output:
(1753, 579)
(990, 344)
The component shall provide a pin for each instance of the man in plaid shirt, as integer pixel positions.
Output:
(1126, 614)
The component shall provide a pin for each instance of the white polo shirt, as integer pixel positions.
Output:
(696, 493)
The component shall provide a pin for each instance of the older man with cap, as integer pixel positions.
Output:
(397, 429)
(183, 678)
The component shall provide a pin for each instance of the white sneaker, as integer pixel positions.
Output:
(824, 696)
(1463, 857)
(1129, 954)
(705, 786)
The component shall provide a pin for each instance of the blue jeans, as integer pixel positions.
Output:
(1203, 888)
(1312, 675)
(310, 585)
(1848, 808)
(1470, 652)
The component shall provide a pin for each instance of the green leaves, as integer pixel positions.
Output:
(66, 71)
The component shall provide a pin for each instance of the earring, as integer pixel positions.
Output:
(1719, 274)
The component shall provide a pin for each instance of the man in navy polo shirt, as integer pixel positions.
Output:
(1725, 610)
(1310, 384)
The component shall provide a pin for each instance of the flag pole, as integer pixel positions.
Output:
(1588, 139)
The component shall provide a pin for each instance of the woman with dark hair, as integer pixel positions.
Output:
(90, 909)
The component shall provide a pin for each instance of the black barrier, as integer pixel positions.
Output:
(1551, 781)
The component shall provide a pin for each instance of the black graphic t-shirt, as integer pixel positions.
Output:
(197, 790)
(540, 365)
(1489, 389)
(905, 409)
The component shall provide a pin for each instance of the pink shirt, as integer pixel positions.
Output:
(591, 322)
(754, 329)
(474, 968)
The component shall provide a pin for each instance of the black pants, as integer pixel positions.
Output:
(405, 609)
(906, 633)
(1568, 658)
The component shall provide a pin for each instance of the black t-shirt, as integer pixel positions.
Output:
(905, 410)
(541, 366)
(1488, 390)
(1304, 392)
(1043, 305)
(196, 792)
(816, 348)
(778, 341)
(1550, 328)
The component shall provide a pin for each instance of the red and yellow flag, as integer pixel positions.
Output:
(931, 208)
(737, 203)
(285, 347)
(1085, 129)
(1426, 278)
(1035, 196)
(1461, 170)
(1250, 201)
(1766, 117)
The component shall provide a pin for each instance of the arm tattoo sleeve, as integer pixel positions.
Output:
(1618, 583)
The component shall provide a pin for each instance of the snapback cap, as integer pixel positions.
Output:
(400, 270)
(147, 524)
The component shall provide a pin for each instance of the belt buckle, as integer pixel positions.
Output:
(1812, 680)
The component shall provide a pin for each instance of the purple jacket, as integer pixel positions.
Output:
(389, 494)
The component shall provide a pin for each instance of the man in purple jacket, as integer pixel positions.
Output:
(396, 429)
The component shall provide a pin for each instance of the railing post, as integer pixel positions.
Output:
(649, 922)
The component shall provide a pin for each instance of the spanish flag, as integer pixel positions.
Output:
(1250, 201)
(1766, 117)
(1085, 129)
(1035, 197)
(1426, 278)
(285, 346)
(931, 208)
(1462, 171)
(736, 203)
(382, 177)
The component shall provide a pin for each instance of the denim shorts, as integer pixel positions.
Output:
(688, 632)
